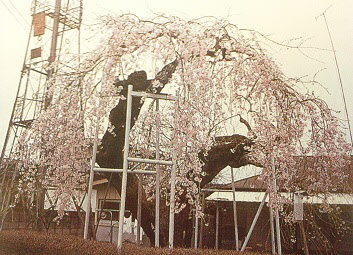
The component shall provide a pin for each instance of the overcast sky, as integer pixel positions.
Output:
(282, 20)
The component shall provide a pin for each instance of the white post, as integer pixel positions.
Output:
(202, 220)
(273, 242)
(254, 223)
(158, 178)
(235, 218)
(172, 203)
(125, 167)
(139, 205)
(196, 227)
(90, 184)
(278, 229)
(278, 233)
(305, 243)
(217, 227)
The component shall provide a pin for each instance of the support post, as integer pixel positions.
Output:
(139, 205)
(172, 197)
(125, 167)
(273, 241)
(158, 178)
(90, 184)
(202, 220)
(278, 234)
(254, 222)
(172, 203)
(54, 42)
(217, 227)
(235, 218)
(278, 228)
(54, 38)
(196, 228)
(305, 243)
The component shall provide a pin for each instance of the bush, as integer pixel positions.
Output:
(41, 243)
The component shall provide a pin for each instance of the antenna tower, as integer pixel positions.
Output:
(53, 44)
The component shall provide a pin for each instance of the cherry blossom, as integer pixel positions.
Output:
(224, 76)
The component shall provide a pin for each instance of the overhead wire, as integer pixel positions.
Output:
(13, 15)
(18, 12)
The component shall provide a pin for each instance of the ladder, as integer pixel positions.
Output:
(125, 171)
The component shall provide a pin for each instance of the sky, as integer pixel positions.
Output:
(281, 20)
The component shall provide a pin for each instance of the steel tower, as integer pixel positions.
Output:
(53, 46)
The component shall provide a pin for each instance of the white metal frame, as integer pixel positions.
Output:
(274, 220)
(125, 171)
(235, 217)
(247, 238)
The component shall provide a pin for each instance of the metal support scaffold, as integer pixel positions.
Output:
(277, 224)
(247, 238)
(274, 220)
(235, 217)
(125, 171)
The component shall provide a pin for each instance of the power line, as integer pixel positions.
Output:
(13, 15)
(18, 12)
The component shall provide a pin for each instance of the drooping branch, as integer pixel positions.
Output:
(215, 60)
(221, 75)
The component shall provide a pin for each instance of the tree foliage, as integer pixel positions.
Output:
(235, 108)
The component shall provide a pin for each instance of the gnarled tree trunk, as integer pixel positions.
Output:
(230, 151)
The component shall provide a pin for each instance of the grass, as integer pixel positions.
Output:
(41, 243)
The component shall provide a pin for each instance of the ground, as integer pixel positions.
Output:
(41, 243)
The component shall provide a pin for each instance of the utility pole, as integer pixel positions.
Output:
(54, 43)
(40, 200)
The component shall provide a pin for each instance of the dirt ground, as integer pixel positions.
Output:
(7, 251)
(42, 243)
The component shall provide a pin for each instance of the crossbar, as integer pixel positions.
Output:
(115, 170)
(155, 96)
(150, 161)
(216, 190)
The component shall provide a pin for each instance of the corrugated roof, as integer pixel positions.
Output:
(255, 196)
(253, 183)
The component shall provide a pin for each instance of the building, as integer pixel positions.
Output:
(322, 233)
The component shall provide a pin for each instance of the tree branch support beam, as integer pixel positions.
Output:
(254, 223)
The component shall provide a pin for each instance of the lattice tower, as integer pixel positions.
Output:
(53, 46)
